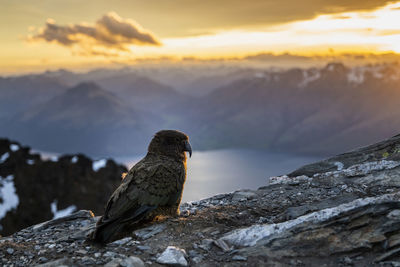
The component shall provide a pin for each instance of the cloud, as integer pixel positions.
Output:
(108, 36)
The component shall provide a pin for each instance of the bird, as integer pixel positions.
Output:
(153, 187)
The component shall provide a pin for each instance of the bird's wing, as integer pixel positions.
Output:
(148, 185)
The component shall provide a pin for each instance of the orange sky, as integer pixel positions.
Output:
(72, 34)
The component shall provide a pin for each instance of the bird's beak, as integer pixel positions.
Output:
(188, 148)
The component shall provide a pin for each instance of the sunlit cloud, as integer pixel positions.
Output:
(362, 31)
(109, 36)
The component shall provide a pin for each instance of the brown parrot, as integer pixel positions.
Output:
(151, 188)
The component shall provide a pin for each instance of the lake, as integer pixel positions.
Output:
(222, 171)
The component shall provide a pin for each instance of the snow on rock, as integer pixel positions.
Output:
(339, 165)
(249, 236)
(30, 161)
(4, 157)
(74, 159)
(173, 256)
(8, 195)
(284, 179)
(361, 169)
(309, 76)
(61, 213)
(355, 75)
(14, 147)
(98, 164)
(54, 158)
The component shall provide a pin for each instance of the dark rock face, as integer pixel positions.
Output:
(69, 181)
(342, 216)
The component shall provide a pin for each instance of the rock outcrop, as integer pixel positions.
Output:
(33, 190)
(339, 212)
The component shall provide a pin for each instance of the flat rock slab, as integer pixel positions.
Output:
(173, 256)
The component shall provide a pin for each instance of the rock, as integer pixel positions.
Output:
(127, 262)
(197, 259)
(150, 231)
(43, 259)
(143, 248)
(122, 241)
(88, 261)
(206, 244)
(57, 263)
(343, 214)
(87, 189)
(251, 235)
(10, 251)
(173, 256)
(113, 263)
(222, 245)
(243, 195)
(109, 254)
(132, 262)
(239, 258)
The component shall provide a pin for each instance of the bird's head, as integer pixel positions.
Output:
(170, 143)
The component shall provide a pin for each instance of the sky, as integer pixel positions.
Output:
(49, 34)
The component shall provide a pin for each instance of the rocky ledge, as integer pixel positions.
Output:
(338, 212)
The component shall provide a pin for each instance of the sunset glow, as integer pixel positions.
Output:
(113, 37)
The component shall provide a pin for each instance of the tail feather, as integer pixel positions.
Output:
(106, 230)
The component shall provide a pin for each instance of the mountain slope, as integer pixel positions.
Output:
(86, 118)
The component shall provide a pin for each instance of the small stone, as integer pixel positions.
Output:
(173, 256)
(109, 254)
(206, 244)
(132, 262)
(348, 261)
(97, 254)
(57, 263)
(43, 259)
(37, 247)
(81, 251)
(243, 195)
(394, 215)
(150, 231)
(122, 241)
(197, 259)
(113, 263)
(88, 261)
(215, 232)
(239, 258)
(222, 245)
(143, 248)
(10, 251)
(51, 246)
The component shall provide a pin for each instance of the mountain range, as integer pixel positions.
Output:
(319, 111)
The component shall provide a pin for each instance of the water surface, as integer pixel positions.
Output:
(221, 171)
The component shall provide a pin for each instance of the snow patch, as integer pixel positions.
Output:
(30, 161)
(361, 169)
(356, 75)
(98, 164)
(309, 76)
(61, 213)
(249, 236)
(74, 159)
(14, 147)
(339, 165)
(284, 179)
(8, 194)
(4, 157)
